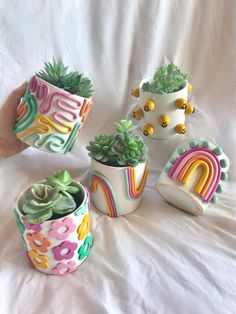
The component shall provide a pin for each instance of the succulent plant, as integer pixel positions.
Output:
(167, 79)
(119, 149)
(56, 73)
(43, 200)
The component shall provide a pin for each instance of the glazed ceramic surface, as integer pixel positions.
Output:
(117, 190)
(194, 176)
(49, 118)
(59, 246)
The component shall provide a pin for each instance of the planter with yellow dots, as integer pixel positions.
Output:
(162, 114)
(59, 244)
(194, 176)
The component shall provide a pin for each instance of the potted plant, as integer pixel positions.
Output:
(54, 108)
(194, 176)
(118, 170)
(163, 102)
(54, 222)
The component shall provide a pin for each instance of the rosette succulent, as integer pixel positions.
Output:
(121, 148)
(167, 79)
(56, 73)
(45, 200)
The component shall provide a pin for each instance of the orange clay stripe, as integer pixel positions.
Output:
(204, 177)
(47, 124)
(85, 109)
(187, 166)
(132, 190)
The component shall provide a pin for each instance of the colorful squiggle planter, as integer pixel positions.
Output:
(117, 191)
(194, 175)
(49, 118)
(58, 246)
(162, 115)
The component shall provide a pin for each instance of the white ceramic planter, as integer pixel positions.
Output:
(49, 118)
(59, 246)
(162, 115)
(193, 176)
(117, 191)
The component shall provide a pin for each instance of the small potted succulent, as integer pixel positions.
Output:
(54, 222)
(118, 170)
(163, 102)
(54, 108)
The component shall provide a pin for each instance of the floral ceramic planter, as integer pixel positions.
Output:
(57, 246)
(117, 191)
(49, 118)
(193, 176)
(162, 115)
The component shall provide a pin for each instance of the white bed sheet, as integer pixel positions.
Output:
(158, 259)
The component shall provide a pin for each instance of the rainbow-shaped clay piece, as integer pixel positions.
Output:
(194, 176)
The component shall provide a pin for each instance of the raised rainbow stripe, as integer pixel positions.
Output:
(189, 161)
(101, 180)
(130, 177)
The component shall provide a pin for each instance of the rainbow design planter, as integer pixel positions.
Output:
(117, 190)
(59, 246)
(162, 115)
(49, 118)
(194, 175)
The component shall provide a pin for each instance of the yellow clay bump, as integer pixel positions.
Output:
(180, 128)
(149, 105)
(138, 114)
(164, 120)
(135, 92)
(148, 130)
(189, 109)
(189, 88)
(181, 103)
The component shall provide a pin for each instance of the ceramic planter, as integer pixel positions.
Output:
(49, 118)
(117, 190)
(57, 246)
(162, 115)
(193, 176)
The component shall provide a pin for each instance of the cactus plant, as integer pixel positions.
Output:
(56, 73)
(167, 79)
(44, 200)
(121, 148)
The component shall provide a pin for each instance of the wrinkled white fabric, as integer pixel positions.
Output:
(158, 259)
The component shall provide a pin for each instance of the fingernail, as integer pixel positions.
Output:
(24, 84)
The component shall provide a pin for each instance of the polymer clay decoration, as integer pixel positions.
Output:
(163, 103)
(194, 175)
(52, 244)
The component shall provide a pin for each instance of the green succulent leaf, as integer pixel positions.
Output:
(167, 79)
(56, 73)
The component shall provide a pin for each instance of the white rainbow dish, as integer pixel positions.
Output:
(193, 176)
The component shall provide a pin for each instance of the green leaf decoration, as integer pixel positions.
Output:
(56, 73)
(167, 79)
(43, 200)
(119, 149)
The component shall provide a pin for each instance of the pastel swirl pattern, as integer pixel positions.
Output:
(49, 119)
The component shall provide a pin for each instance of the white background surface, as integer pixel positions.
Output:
(159, 259)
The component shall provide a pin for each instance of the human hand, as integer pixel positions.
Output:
(9, 143)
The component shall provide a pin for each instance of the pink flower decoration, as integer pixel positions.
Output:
(35, 227)
(64, 268)
(60, 229)
(65, 250)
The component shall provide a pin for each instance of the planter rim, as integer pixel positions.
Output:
(59, 89)
(113, 167)
(20, 196)
(149, 79)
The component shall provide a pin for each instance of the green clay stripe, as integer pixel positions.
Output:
(29, 117)
(69, 144)
(48, 141)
